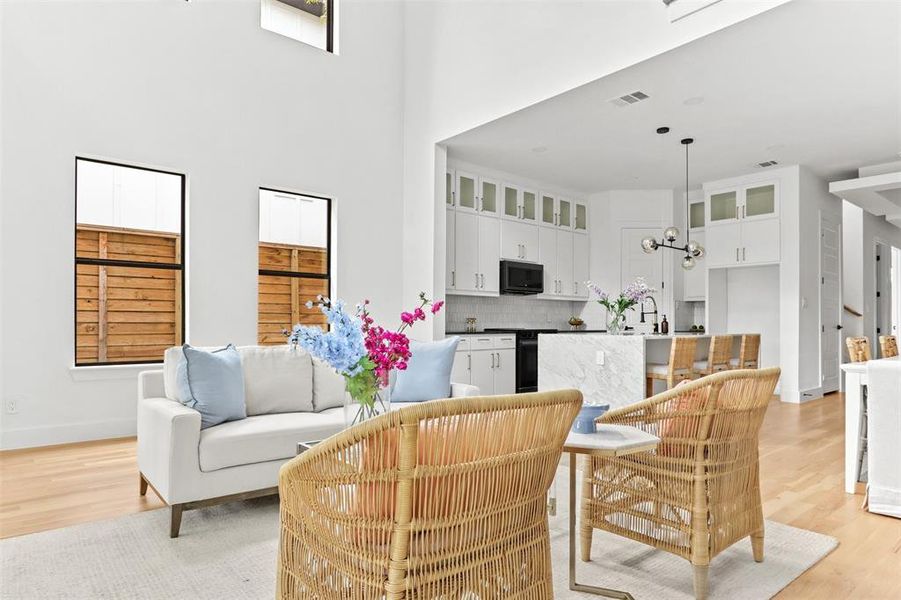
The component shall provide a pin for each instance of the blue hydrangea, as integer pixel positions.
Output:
(342, 346)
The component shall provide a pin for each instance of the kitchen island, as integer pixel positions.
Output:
(608, 369)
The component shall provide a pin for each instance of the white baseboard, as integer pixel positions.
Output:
(65, 434)
(808, 395)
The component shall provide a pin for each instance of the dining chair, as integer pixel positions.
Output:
(679, 368)
(698, 492)
(719, 356)
(888, 346)
(859, 349)
(748, 352)
(441, 499)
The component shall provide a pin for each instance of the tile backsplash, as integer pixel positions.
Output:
(688, 314)
(509, 311)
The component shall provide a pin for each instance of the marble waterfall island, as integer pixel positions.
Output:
(607, 369)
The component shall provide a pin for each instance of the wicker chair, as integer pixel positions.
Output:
(859, 349)
(443, 499)
(698, 492)
(888, 346)
(718, 356)
(748, 353)
(679, 368)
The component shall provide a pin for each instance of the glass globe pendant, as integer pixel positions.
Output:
(688, 263)
(670, 234)
(649, 245)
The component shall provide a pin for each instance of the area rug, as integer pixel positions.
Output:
(229, 552)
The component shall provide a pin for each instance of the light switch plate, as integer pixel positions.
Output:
(599, 357)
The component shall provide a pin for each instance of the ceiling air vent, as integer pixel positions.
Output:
(767, 163)
(628, 99)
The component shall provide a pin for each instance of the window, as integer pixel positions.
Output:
(129, 262)
(309, 21)
(295, 261)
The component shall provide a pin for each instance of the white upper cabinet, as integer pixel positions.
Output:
(742, 203)
(743, 225)
(580, 218)
(510, 196)
(519, 241)
(489, 197)
(519, 204)
(562, 212)
(547, 249)
(529, 206)
(466, 252)
(565, 281)
(760, 202)
(548, 210)
(466, 192)
(696, 215)
(449, 184)
(489, 255)
(450, 275)
(581, 251)
(722, 207)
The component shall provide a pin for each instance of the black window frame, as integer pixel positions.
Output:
(298, 274)
(132, 264)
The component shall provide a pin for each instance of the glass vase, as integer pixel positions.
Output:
(359, 410)
(616, 322)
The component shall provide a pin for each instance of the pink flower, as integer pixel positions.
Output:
(436, 306)
(407, 318)
(418, 314)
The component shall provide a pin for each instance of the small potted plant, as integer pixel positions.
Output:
(576, 323)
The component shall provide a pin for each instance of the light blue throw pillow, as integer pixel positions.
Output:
(428, 372)
(212, 383)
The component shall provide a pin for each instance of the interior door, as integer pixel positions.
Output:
(636, 263)
(466, 251)
(830, 302)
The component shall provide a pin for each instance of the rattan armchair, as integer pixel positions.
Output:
(698, 492)
(444, 499)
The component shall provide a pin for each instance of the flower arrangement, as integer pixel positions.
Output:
(363, 352)
(617, 306)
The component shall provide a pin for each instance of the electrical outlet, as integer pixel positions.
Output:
(599, 357)
(11, 406)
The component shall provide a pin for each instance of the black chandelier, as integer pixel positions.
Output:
(693, 250)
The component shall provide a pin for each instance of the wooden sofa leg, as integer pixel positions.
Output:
(143, 484)
(701, 572)
(757, 546)
(175, 523)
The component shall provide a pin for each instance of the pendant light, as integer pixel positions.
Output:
(693, 250)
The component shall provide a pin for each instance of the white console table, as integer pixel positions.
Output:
(882, 378)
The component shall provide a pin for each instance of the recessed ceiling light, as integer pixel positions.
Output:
(539, 149)
(693, 101)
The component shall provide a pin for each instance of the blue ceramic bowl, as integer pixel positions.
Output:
(584, 422)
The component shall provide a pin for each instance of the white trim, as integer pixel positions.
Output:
(67, 433)
(109, 372)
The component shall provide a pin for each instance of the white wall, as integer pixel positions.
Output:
(751, 294)
(467, 65)
(197, 88)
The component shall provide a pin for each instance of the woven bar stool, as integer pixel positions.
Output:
(888, 346)
(718, 358)
(748, 353)
(681, 359)
(859, 351)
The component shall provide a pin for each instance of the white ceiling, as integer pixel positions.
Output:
(812, 82)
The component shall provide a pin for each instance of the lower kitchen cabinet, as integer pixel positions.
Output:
(488, 362)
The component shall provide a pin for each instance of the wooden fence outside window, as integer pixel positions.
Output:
(289, 277)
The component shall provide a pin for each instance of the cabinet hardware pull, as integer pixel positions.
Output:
(743, 253)
(498, 359)
(736, 254)
(736, 211)
(492, 360)
(453, 278)
(469, 362)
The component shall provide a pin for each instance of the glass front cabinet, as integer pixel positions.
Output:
(742, 224)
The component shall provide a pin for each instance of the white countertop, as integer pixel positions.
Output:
(647, 336)
(861, 367)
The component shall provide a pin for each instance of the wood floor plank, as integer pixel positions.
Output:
(801, 466)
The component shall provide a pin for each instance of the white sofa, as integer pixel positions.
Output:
(290, 398)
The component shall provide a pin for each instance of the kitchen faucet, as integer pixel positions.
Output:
(650, 312)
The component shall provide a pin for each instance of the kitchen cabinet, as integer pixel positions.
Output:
(547, 251)
(450, 234)
(743, 225)
(465, 192)
(696, 215)
(519, 204)
(581, 274)
(694, 281)
(488, 362)
(752, 202)
(580, 220)
(489, 191)
(565, 264)
(449, 188)
(476, 253)
(519, 241)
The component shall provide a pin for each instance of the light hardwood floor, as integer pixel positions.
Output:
(801, 454)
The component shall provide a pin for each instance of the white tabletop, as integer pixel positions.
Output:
(611, 440)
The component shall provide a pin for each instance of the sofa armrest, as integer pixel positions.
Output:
(464, 390)
(168, 445)
(151, 384)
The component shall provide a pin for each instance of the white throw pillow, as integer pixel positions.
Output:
(277, 379)
(328, 386)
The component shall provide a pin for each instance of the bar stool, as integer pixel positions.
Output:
(748, 353)
(681, 359)
(859, 351)
(718, 358)
(888, 346)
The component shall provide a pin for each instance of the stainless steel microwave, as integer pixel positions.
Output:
(521, 278)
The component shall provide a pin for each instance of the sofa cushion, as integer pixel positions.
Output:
(277, 379)
(213, 384)
(328, 386)
(264, 437)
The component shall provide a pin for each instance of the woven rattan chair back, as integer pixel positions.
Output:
(749, 352)
(682, 358)
(442, 499)
(859, 349)
(698, 492)
(888, 346)
(719, 355)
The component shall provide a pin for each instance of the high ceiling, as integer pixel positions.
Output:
(812, 82)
